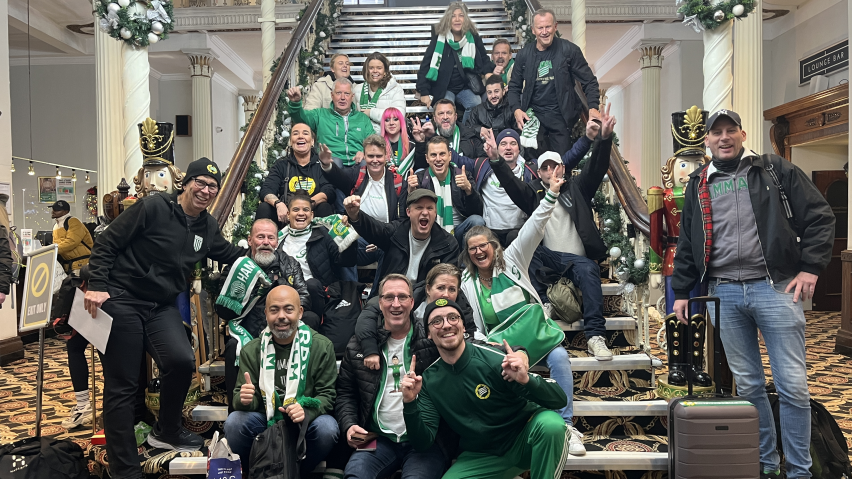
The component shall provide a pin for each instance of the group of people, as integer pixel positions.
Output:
(459, 219)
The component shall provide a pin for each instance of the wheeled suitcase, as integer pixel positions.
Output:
(716, 436)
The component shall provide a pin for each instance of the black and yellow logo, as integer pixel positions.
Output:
(482, 391)
(302, 183)
(441, 302)
(212, 169)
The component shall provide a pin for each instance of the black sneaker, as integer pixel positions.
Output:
(183, 441)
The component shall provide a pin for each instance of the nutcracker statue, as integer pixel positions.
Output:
(158, 173)
(665, 207)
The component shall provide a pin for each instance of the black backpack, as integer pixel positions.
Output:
(829, 452)
(276, 452)
(36, 458)
(342, 308)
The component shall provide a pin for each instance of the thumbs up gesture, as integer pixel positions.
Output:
(247, 391)
(515, 365)
(413, 182)
(462, 182)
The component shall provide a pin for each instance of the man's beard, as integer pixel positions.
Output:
(286, 333)
(447, 133)
(264, 257)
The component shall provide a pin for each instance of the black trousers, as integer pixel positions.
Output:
(78, 365)
(506, 236)
(139, 326)
(554, 134)
(265, 210)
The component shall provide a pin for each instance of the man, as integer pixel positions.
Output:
(494, 114)
(287, 373)
(760, 231)
(138, 267)
(459, 205)
(369, 403)
(501, 55)
(572, 244)
(71, 237)
(412, 245)
(502, 413)
(320, 94)
(544, 83)
(245, 308)
(463, 139)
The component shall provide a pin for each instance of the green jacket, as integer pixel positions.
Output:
(485, 410)
(322, 374)
(343, 136)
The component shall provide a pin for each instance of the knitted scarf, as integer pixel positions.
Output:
(468, 53)
(456, 141)
(530, 131)
(342, 235)
(297, 373)
(445, 198)
(366, 101)
(239, 284)
(505, 75)
(403, 164)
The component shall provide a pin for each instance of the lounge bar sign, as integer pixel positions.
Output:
(829, 60)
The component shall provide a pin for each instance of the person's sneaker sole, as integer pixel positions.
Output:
(601, 358)
(156, 443)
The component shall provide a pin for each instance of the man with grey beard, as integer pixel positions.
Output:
(464, 140)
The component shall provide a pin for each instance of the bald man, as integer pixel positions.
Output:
(299, 388)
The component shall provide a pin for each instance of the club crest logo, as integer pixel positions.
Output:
(441, 302)
(482, 391)
(212, 169)
(197, 243)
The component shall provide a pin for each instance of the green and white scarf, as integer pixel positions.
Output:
(236, 292)
(342, 235)
(366, 101)
(505, 74)
(456, 141)
(445, 199)
(297, 373)
(530, 131)
(402, 165)
(468, 53)
(239, 332)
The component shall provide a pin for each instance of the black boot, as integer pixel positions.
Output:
(676, 349)
(698, 334)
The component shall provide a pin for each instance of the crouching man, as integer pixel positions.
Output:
(501, 412)
(296, 382)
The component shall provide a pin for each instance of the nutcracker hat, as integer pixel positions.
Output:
(156, 140)
(688, 132)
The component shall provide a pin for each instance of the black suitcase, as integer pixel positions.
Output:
(716, 436)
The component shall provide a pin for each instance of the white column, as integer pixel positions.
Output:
(250, 102)
(110, 113)
(137, 104)
(651, 64)
(578, 24)
(202, 106)
(267, 38)
(718, 74)
(748, 81)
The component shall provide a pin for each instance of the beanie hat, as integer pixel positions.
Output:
(508, 132)
(440, 303)
(203, 167)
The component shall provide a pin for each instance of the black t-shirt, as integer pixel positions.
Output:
(394, 146)
(458, 82)
(544, 91)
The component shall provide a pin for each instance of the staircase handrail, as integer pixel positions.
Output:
(250, 142)
(533, 6)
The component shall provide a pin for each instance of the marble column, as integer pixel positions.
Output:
(267, 38)
(109, 101)
(651, 64)
(250, 102)
(718, 72)
(202, 103)
(578, 24)
(748, 77)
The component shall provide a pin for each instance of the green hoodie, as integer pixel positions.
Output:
(344, 136)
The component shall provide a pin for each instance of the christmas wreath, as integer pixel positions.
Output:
(138, 24)
(701, 15)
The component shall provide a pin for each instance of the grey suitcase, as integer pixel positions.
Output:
(716, 436)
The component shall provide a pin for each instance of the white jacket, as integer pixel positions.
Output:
(320, 94)
(517, 258)
(392, 96)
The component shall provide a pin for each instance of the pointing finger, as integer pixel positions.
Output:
(413, 364)
(505, 344)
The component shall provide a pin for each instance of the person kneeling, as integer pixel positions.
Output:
(299, 371)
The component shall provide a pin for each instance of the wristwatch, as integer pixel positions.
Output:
(275, 205)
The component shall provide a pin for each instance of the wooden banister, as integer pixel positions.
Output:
(232, 183)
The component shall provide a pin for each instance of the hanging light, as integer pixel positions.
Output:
(13, 166)
(87, 177)
(32, 171)
(58, 173)
(73, 175)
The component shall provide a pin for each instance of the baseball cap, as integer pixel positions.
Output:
(60, 205)
(420, 193)
(734, 116)
(549, 156)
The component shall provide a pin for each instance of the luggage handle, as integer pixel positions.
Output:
(717, 344)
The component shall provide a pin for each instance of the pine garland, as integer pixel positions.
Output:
(614, 235)
(517, 10)
(138, 27)
(310, 59)
(701, 14)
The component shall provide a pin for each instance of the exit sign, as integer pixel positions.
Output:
(829, 60)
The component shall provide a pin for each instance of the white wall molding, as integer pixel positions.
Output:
(796, 17)
(175, 77)
(41, 61)
(48, 31)
(230, 60)
(616, 89)
(155, 74)
(618, 52)
(605, 10)
(225, 83)
(228, 18)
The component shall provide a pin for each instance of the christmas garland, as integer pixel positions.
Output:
(700, 14)
(138, 24)
(517, 10)
(310, 59)
(627, 267)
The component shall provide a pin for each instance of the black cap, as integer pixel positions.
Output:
(203, 167)
(440, 303)
(60, 205)
(734, 116)
(420, 193)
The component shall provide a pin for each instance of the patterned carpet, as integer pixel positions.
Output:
(830, 383)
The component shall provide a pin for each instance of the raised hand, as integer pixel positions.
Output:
(294, 94)
(411, 383)
(295, 411)
(325, 155)
(352, 205)
(515, 365)
(490, 145)
(246, 391)
(558, 179)
(417, 130)
(462, 181)
(608, 122)
(521, 118)
(498, 70)
(592, 129)
(413, 183)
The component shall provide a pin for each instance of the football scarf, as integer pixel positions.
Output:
(297, 372)
(445, 199)
(468, 53)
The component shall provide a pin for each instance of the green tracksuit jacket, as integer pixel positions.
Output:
(485, 410)
(344, 136)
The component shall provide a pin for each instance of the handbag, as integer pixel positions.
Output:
(530, 328)
(567, 300)
(474, 81)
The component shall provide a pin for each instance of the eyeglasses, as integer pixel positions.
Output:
(201, 184)
(473, 249)
(388, 298)
(438, 321)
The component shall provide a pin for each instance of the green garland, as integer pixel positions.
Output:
(517, 10)
(139, 28)
(310, 59)
(701, 14)
(613, 233)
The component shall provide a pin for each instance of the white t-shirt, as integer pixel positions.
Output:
(560, 233)
(390, 406)
(500, 212)
(297, 247)
(417, 248)
(374, 200)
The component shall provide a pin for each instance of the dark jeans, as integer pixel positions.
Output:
(78, 365)
(390, 456)
(139, 326)
(265, 210)
(553, 134)
(584, 273)
(317, 293)
(505, 236)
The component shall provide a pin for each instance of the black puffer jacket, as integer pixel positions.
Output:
(467, 205)
(324, 257)
(497, 118)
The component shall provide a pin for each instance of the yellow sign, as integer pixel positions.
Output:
(38, 289)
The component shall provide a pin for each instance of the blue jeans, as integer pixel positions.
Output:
(745, 308)
(467, 99)
(350, 273)
(560, 371)
(242, 427)
(464, 226)
(584, 273)
(391, 456)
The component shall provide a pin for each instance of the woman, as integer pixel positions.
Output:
(320, 94)
(440, 74)
(399, 147)
(503, 275)
(379, 90)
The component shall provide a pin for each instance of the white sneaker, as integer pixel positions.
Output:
(597, 348)
(575, 442)
(548, 310)
(78, 416)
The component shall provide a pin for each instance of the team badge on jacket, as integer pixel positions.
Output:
(197, 243)
(482, 391)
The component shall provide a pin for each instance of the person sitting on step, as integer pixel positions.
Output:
(463, 139)
(320, 94)
(493, 114)
(501, 56)
(400, 148)
(379, 91)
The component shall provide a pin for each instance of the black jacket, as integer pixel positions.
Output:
(392, 238)
(284, 270)
(482, 64)
(324, 257)
(6, 261)
(812, 222)
(575, 195)
(150, 250)
(345, 181)
(497, 118)
(286, 176)
(569, 64)
(467, 205)
(470, 145)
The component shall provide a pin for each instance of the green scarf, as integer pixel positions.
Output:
(366, 101)
(467, 45)
(403, 164)
(505, 74)
(297, 373)
(456, 140)
(342, 235)
(239, 332)
(506, 296)
(239, 284)
(530, 132)
(445, 198)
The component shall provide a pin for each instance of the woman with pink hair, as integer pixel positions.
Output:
(400, 148)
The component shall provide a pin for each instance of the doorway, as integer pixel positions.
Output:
(833, 185)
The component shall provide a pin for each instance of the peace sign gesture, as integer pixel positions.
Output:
(411, 383)
(417, 130)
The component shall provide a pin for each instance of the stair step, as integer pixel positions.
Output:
(214, 368)
(657, 407)
(391, 36)
(416, 26)
(619, 362)
(619, 322)
(210, 413)
(618, 461)
(398, 76)
(472, 8)
(358, 49)
(188, 466)
(336, 46)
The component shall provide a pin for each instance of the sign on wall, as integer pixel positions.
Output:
(51, 189)
(823, 62)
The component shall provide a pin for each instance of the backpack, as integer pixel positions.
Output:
(62, 302)
(398, 180)
(36, 458)
(829, 452)
(342, 308)
(66, 263)
(276, 452)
